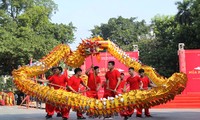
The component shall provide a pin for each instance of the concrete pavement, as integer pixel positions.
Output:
(16, 113)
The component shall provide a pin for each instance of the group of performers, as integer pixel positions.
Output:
(115, 84)
(7, 99)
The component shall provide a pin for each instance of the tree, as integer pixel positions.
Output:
(164, 59)
(16, 7)
(188, 18)
(165, 29)
(6, 83)
(161, 52)
(122, 31)
(195, 11)
(27, 32)
(184, 14)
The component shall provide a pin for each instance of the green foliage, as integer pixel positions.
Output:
(14, 8)
(122, 31)
(27, 32)
(184, 14)
(6, 83)
(162, 57)
(163, 49)
(189, 23)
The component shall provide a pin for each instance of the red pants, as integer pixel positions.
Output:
(92, 94)
(129, 112)
(50, 110)
(109, 94)
(146, 111)
(58, 110)
(78, 114)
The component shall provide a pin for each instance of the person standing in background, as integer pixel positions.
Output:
(123, 82)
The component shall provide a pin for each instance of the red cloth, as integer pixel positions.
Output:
(2, 102)
(65, 73)
(60, 80)
(112, 77)
(139, 111)
(109, 93)
(91, 84)
(57, 110)
(49, 77)
(75, 82)
(129, 112)
(91, 81)
(92, 94)
(50, 110)
(145, 80)
(121, 86)
(146, 111)
(134, 82)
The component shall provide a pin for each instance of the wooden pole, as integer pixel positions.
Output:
(93, 71)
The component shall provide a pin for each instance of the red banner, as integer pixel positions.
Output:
(190, 64)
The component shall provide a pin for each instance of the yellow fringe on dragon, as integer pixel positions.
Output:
(167, 88)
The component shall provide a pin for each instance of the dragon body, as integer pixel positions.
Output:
(166, 90)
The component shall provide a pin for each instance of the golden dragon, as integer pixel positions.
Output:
(166, 90)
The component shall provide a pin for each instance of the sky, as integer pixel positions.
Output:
(85, 14)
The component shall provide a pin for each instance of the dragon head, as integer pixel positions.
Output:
(91, 46)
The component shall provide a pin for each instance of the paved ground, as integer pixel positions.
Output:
(16, 113)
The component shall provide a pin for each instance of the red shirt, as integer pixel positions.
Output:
(112, 76)
(145, 80)
(91, 81)
(121, 85)
(134, 82)
(49, 77)
(74, 82)
(60, 80)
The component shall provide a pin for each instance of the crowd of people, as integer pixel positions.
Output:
(115, 84)
(7, 98)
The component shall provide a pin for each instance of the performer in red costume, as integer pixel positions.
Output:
(94, 82)
(112, 80)
(56, 79)
(123, 82)
(53, 72)
(146, 84)
(135, 83)
(48, 107)
(73, 86)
